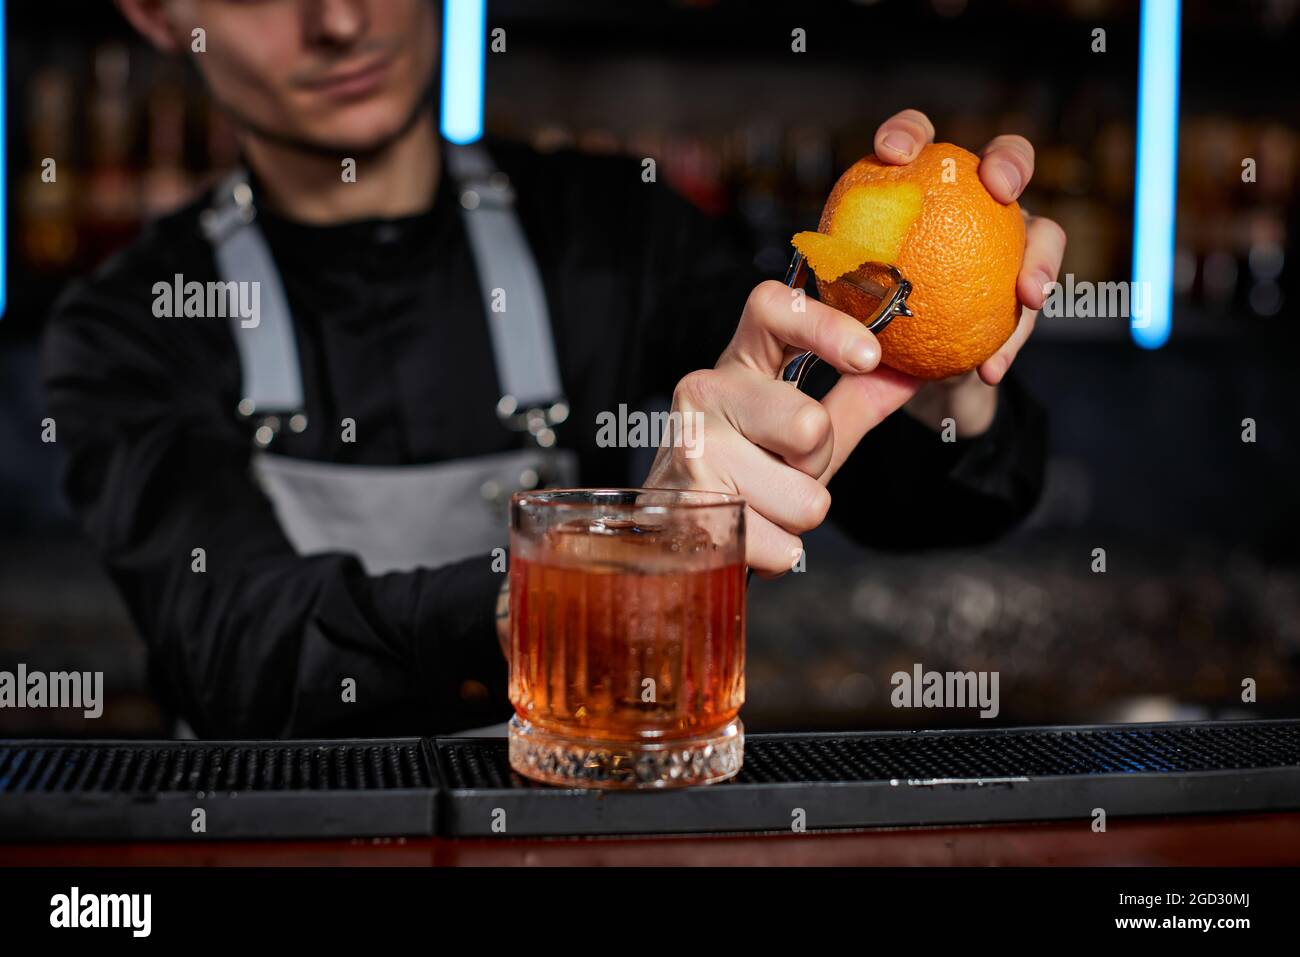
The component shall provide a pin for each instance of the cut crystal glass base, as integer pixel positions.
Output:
(589, 763)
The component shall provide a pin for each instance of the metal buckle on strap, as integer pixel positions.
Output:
(269, 425)
(538, 421)
(233, 209)
(492, 191)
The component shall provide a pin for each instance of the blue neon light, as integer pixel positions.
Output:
(1154, 207)
(464, 46)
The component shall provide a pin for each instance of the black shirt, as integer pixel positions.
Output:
(392, 332)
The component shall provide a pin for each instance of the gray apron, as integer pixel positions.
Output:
(400, 517)
(395, 518)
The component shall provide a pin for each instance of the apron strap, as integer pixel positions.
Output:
(268, 351)
(522, 341)
(515, 300)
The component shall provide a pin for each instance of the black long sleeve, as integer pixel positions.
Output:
(262, 641)
(904, 488)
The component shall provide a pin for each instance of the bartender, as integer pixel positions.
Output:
(299, 500)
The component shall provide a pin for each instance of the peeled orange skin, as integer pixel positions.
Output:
(959, 247)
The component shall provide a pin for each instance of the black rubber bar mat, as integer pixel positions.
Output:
(151, 790)
(818, 781)
(114, 790)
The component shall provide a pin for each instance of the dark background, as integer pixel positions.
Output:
(1200, 529)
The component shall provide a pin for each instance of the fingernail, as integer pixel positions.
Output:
(899, 143)
(864, 356)
(1038, 281)
(1041, 281)
(1011, 177)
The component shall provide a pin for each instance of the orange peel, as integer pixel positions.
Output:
(830, 257)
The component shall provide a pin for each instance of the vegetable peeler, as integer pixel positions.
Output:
(878, 280)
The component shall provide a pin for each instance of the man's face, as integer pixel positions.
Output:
(341, 76)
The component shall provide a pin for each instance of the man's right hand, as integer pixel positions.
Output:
(765, 440)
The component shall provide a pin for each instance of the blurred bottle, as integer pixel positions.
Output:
(1115, 161)
(166, 184)
(694, 168)
(1277, 152)
(112, 196)
(1213, 204)
(1265, 261)
(47, 188)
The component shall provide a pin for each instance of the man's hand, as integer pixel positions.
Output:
(765, 440)
(1006, 166)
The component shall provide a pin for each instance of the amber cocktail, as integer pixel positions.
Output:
(627, 637)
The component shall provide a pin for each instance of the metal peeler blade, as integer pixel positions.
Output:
(878, 280)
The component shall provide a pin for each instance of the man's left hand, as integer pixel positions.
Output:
(1006, 166)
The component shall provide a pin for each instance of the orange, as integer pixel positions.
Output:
(959, 247)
